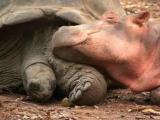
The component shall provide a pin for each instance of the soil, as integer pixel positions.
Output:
(119, 104)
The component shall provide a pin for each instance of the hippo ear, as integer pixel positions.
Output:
(141, 18)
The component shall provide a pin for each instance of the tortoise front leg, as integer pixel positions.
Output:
(85, 85)
(82, 84)
(39, 81)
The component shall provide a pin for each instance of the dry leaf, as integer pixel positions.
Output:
(151, 112)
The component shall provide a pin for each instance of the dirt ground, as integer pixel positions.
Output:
(120, 104)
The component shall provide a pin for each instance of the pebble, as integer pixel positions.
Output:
(66, 103)
(77, 107)
(140, 118)
(96, 107)
(25, 117)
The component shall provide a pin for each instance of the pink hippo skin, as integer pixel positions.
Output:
(127, 48)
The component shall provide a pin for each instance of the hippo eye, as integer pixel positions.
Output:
(111, 20)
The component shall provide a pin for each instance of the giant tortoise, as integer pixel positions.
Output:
(26, 57)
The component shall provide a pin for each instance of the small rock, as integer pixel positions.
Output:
(25, 117)
(97, 117)
(96, 107)
(33, 117)
(77, 107)
(66, 103)
(130, 110)
(122, 116)
(140, 118)
(83, 106)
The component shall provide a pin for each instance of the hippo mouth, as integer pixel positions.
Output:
(144, 76)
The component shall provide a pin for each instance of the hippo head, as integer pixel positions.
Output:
(127, 48)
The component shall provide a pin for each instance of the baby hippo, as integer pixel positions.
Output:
(127, 48)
